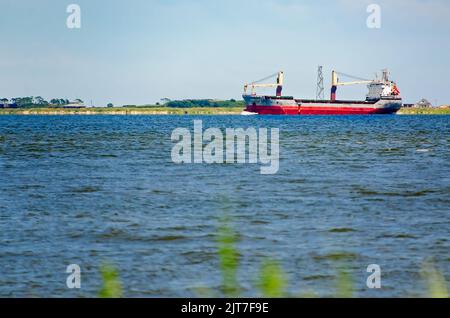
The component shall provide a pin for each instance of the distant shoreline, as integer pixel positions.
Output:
(124, 111)
(173, 111)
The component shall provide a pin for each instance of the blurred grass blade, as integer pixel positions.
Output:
(228, 257)
(272, 280)
(436, 283)
(112, 287)
(344, 284)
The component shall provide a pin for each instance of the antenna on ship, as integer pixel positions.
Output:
(385, 75)
(320, 92)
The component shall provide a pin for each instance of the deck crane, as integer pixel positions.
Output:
(259, 84)
(335, 82)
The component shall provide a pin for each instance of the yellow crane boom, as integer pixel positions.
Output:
(279, 84)
(335, 80)
(335, 83)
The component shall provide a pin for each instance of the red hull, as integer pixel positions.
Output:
(305, 110)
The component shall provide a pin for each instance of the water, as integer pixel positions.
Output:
(351, 191)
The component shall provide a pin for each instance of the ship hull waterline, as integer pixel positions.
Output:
(265, 105)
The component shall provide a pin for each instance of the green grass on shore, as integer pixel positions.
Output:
(124, 111)
(424, 111)
(161, 110)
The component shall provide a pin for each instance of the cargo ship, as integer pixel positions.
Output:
(383, 98)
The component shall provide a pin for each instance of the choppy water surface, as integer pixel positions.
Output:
(350, 190)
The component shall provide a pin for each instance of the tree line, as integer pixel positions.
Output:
(35, 101)
(189, 103)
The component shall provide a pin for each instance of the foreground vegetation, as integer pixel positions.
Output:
(272, 281)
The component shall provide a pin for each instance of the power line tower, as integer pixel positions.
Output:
(320, 93)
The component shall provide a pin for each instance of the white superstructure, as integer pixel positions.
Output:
(383, 88)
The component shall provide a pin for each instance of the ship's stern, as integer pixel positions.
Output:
(251, 103)
(271, 105)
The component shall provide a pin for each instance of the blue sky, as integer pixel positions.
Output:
(136, 52)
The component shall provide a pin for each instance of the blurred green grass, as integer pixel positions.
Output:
(229, 261)
(112, 288)
(271, 282)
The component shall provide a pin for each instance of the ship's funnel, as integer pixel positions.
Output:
(333, 93)
(334, 84)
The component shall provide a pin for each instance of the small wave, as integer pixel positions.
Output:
(197, 257)
(342, 230)
(369, 192)
(115, 233)
(318, 277)
(87, 189)
(336, 256)
(107, 156)
(169, 238)
(30, 187)
(81, 215)
(259, 222)
(389, 150)
(111, 233)
(158, 191)
(398, 236)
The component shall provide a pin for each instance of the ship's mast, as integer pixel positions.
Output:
(385, 75)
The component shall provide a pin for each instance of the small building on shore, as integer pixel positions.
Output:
(423, 103)
(75, 104)
(6, 103)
